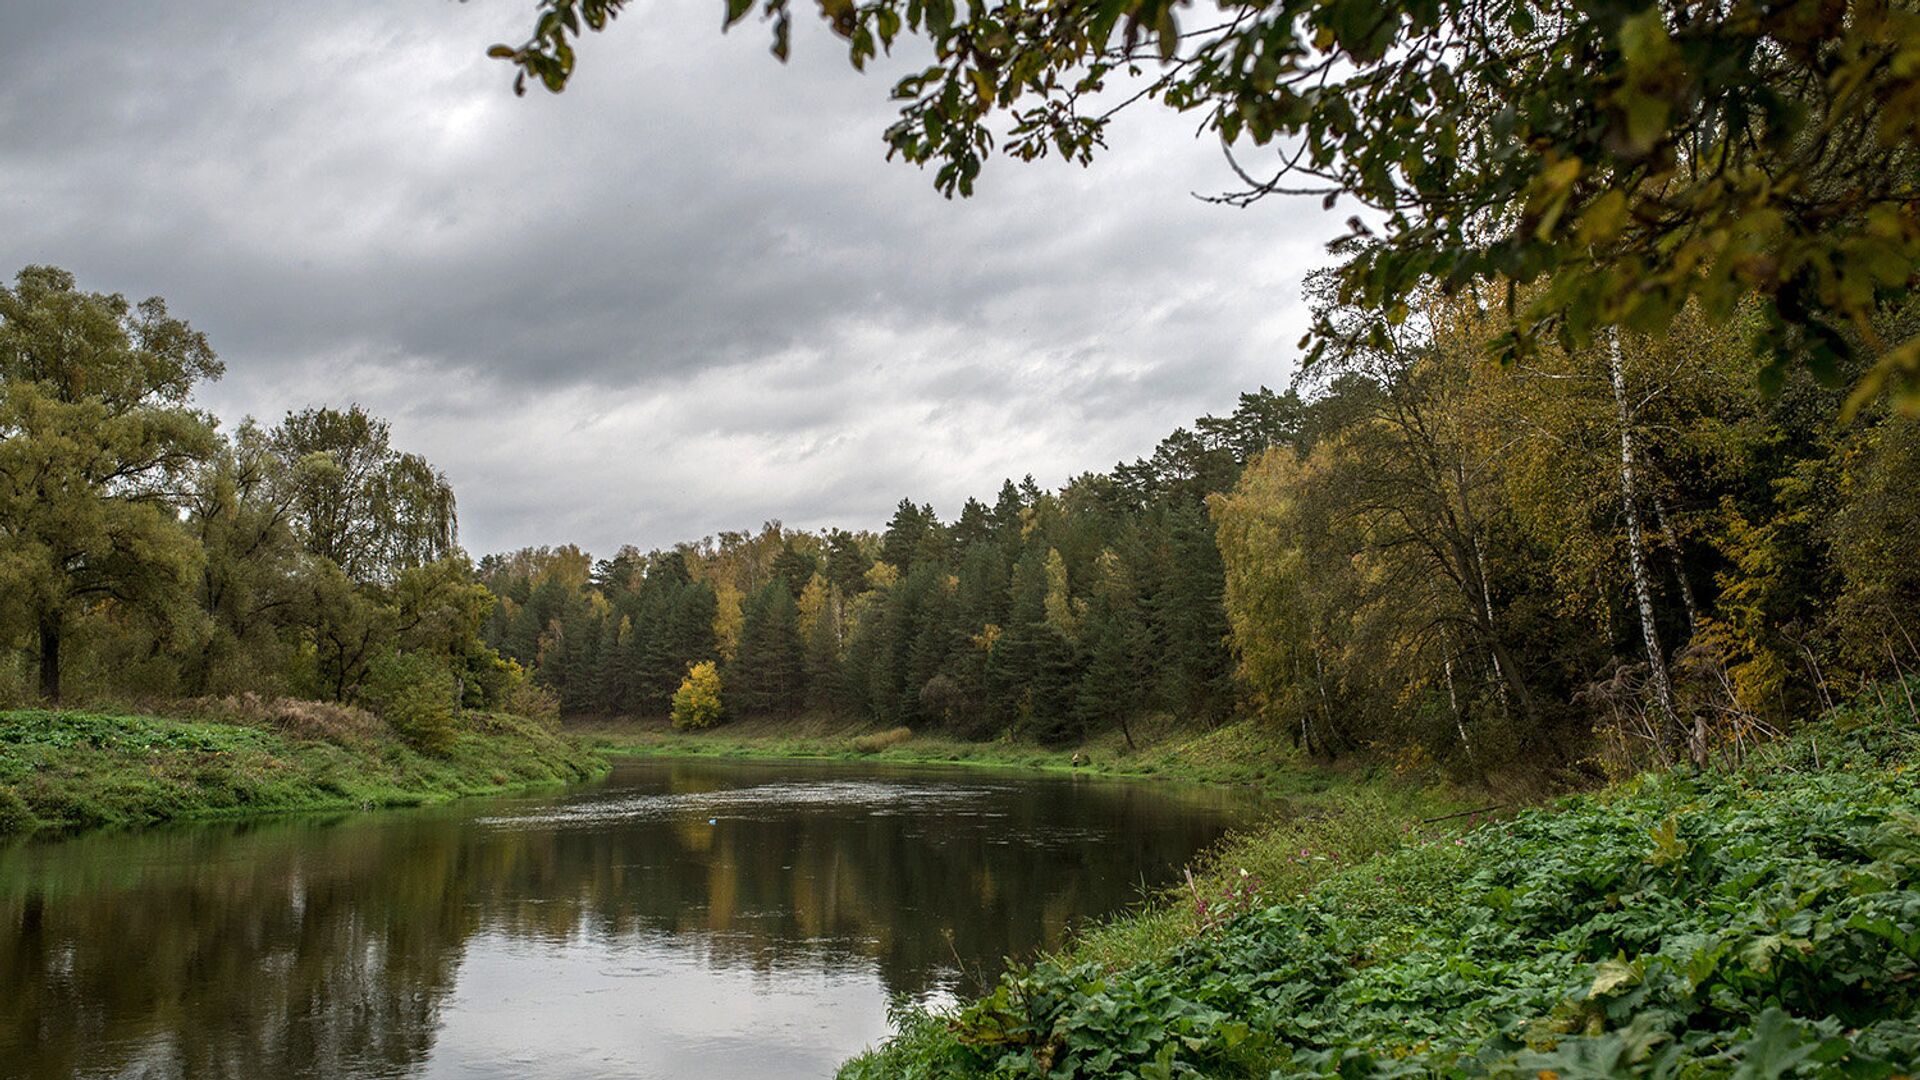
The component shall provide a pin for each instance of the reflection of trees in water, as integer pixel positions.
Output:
(312, 948)
(814, 884)
(299, 951)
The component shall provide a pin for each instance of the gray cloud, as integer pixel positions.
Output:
(686, 295)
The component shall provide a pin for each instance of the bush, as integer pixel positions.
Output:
(697, 704)
(524, 697)
(15, 815)
(415, 696)
(422, 715)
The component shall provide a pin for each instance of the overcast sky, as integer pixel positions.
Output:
(689, 294)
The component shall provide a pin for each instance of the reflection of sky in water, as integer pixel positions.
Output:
(940, 808)
(649, 1009)
(764, 801)
(599, 932)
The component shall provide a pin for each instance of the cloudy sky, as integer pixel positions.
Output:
(687, 295)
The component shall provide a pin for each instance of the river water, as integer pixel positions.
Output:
(681, 919)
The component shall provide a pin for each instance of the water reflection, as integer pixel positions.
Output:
(683, 919)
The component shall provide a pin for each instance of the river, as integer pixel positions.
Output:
(680, 919)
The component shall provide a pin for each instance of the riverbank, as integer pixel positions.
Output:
(1240, 754)
(69, 769)
(1750, 922)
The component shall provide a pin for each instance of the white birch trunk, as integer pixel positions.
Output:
(1637, 558)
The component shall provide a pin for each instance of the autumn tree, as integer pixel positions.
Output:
(96, 440)
(697, 703)
(371, 509)
(1634, 158)
(240, 510)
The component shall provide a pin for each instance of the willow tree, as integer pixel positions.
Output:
(238, 511)
(356, 500)
(96, 437)
(1636, 155)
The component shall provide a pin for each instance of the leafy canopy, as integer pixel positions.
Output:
(1636, 154)
(96, 439)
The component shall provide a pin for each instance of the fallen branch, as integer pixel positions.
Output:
(1463, 813)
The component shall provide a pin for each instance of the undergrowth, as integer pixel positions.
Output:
(1758, 924)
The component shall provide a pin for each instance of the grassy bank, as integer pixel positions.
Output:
(63, 770)
(1239, 754)
(1762, 923)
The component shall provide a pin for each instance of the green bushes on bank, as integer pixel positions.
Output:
(1762, 924)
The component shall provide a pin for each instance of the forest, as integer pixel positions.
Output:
(1633, 552)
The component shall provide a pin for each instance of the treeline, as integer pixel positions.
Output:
(1665, 541)
(146, 553)
(1663, 546)
(1047, 614)
(1658, 547)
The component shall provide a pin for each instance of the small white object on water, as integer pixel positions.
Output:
(713, 821)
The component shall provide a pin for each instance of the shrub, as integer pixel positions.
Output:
(422, 714)
(15, 815)
(487, 678)
(415, 696)
(697, 703)
(523, 697)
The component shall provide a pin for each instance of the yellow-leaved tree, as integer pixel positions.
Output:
(697, 703)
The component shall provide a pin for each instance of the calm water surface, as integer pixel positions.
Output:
(682, 919)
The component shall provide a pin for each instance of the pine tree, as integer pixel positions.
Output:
(768, 671)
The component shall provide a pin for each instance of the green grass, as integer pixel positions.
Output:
(1239, 754)
(66, 770)
(1764, 923)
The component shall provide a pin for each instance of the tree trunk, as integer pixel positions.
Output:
(1500, 676)
(50, 657)
(1679, 568)
(1459, 722)
(1637, 561)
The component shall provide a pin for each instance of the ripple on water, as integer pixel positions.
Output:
(758, 801)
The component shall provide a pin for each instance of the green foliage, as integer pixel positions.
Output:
(1873, 536)
(15, 815)
(95, 437)
(356, 501)
(154, 557)
(921, 1048)
(768, 669)
(1686, 924)
(1640, 157)
(417, 698)
(1061, 615)
(697, 703)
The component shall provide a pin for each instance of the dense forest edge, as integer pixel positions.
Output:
(1526, 578)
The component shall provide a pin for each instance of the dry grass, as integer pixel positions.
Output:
(881, 740)
(321, 721)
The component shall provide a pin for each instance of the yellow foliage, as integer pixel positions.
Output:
(882, 575)
(697, 703)
(728, 617)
